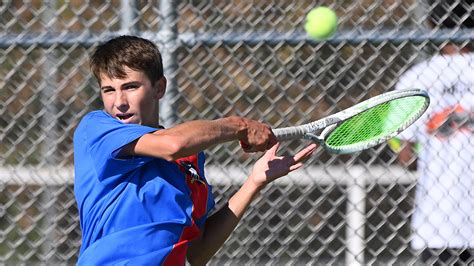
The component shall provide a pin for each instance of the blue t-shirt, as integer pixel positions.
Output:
(139, 210)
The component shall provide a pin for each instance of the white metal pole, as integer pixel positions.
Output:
(169, 36)
(355, 211)
(127, 17)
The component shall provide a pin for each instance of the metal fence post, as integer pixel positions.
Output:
(127, 17)
(355, 217)
(169, 34)
(49, 123)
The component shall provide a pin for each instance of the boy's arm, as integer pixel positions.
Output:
(406, 156)
(406, 153)
(194, 136)
(221, 224)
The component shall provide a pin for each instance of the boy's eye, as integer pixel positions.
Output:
(132, 86)
(106, 90)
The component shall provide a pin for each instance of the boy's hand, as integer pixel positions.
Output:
(270, 166)
(259, 137)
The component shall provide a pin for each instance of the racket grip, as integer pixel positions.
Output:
(288, 133)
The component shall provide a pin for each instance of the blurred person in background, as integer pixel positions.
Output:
(443, 218)
(142, 195)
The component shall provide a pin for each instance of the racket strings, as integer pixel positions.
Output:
(377, 122)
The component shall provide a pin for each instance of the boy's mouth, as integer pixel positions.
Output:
(123, 117)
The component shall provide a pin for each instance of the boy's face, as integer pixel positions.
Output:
(133, 99)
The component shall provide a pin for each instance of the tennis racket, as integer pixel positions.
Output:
(363, 125)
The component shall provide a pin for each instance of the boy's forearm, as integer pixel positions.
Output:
(405, 156)
(188, 138)
(194, 136)
(221, 224)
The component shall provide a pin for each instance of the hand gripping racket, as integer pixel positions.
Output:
(363, 125)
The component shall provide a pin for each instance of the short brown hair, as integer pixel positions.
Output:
(133, 52)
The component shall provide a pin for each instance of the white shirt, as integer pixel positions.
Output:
(444, 203)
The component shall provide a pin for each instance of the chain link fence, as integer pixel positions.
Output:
(247, 58)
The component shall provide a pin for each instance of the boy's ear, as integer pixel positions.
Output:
(161, 87)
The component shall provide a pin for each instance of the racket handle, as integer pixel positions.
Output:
(289, 133)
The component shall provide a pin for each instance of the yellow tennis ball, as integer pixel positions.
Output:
(321, 23)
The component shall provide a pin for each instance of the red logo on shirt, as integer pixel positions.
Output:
(199, 192)
(450, 120)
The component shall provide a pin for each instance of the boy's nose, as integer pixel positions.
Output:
(121, 101)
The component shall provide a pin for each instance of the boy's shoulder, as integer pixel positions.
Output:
(93, 116)
(89, 119)
(96, 113)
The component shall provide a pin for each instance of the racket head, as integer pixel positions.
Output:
(375, 121)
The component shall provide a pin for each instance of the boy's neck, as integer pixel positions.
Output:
(452, 49)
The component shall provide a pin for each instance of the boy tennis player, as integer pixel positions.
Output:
(140, 189)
